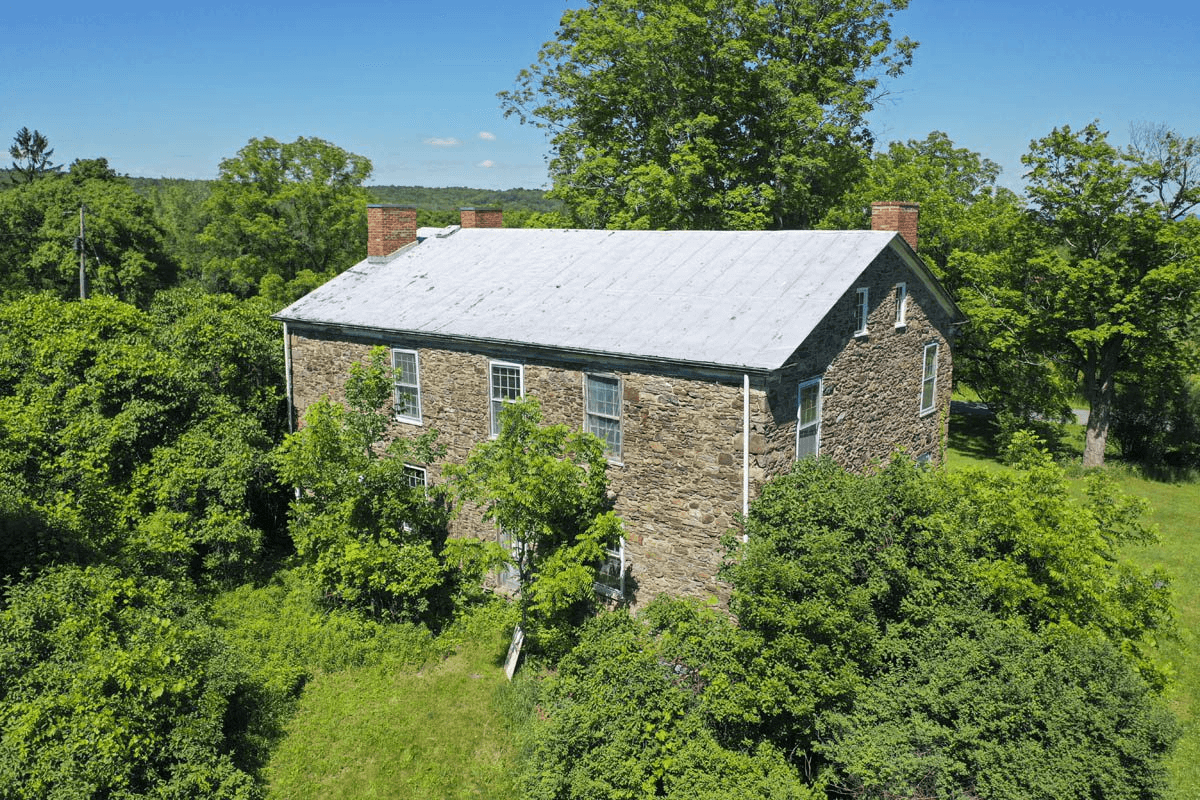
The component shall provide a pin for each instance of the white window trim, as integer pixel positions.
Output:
(863, 294)
(819, 381)
(925, 378)
(493, 414)
(608, 591)
(415, 384)
(424, 473)
(614, 457)
(901, 305)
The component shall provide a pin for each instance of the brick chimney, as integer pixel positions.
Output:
(389, 227)
(481, 217)
(899, 217)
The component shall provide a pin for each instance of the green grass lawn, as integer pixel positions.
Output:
(1175, 511)
(403, 732)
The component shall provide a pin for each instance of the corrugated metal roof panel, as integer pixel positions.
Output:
(727, 298)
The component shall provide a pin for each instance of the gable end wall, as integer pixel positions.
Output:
(871, 384)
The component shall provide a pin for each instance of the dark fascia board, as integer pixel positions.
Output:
(926, 276)
(517, 351)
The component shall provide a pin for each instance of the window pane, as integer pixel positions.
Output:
(604, 411)
(929, 378)
(415, 476)
(609, 578)
(406, 385)
(809, 396)
(506, 387)
(607, 429)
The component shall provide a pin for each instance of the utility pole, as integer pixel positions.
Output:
(82, 244)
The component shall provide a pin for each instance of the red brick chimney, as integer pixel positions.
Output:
(389, 227)
(481, 217)
(899, 217)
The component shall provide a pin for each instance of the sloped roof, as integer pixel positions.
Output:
(732, 299)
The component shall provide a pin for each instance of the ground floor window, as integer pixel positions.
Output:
(610, 579)
(929, 379)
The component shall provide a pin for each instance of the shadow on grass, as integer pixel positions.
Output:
(974, 435)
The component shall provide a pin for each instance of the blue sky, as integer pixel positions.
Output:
(171, 89)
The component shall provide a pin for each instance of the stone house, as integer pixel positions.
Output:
(708, 361)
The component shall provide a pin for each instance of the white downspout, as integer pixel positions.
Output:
(287, 376)
(745, 448)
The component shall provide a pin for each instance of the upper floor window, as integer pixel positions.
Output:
(406, 385)
(929, 379)
(901, 304)
(862, 310)
(507, 384)
(603, 398)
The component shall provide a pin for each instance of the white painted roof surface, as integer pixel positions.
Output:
(741, 299)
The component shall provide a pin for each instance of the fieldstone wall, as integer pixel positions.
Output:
(871, 384)
(678, 482)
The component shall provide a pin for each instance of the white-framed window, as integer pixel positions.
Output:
(602, 403)
(416, 477)
(510, 576)
(808, 419)
(507, 384)
(406, 385)
(610, 578)
(862, 310)
(929, 378)
(901, 304)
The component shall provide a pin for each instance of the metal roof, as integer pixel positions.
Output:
(739, 299)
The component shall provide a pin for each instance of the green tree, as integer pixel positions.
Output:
(963, 210)
(727, 114)
(31, 151)
(123, 243)
(139, 438)
(284, 217)
(1107, 274)
(546, 487)
(840, 573)
(115, 687)
(373, 537)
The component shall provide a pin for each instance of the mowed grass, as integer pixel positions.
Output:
(1175, 511)
(402, 732)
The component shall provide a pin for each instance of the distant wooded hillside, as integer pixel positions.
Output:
(425, 198)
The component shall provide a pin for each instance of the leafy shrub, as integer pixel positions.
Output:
(112, 686)
(372, 540)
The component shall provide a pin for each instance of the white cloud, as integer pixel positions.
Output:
(487, 136)
(487, 164)
(450, 142)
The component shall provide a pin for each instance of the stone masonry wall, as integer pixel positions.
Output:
(678, 482)
(871, 384)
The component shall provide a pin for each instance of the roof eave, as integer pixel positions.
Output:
(547, 352)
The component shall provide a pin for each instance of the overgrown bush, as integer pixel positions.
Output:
(116, 686)
(911, 633)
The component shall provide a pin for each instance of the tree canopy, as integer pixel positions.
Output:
(723, 114)
(284, 217)
(1104, 277)
(123, 243)
(31, 152)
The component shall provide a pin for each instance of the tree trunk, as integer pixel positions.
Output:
(1100, 388)
(1095, 437)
